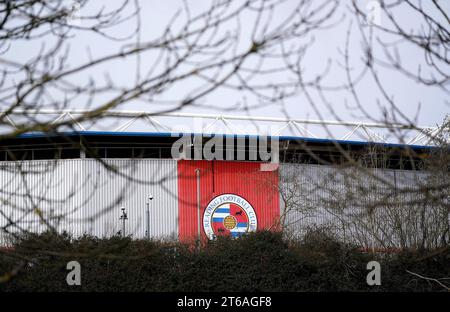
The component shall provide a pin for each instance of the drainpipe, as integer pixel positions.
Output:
(197, 172)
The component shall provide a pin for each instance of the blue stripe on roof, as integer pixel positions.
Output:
(169, 134)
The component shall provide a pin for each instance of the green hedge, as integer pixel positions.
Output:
(262, 261)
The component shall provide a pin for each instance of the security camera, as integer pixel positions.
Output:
(150, 197)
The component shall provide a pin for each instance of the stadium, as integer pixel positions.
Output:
(122, 182)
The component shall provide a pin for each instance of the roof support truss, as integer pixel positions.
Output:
(160, 122)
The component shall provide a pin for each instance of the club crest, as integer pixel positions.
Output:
(229, 215)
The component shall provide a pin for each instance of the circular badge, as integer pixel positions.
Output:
(229, 215)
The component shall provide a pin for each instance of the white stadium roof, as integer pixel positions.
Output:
(177, 122)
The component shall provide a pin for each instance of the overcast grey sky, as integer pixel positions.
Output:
(325, 51)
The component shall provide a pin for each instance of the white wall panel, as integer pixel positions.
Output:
(83, 196)
(388, 204)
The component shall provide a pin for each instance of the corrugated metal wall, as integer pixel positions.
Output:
(130, 187)
(31, 189)
(301, 195)
(370, 207)
(83, 196)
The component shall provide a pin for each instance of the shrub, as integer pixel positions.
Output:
(262, 261)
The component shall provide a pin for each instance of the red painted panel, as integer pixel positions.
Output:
(245, 179)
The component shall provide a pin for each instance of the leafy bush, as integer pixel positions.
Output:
(261, 261)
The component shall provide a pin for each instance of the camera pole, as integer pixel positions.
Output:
(123, 217)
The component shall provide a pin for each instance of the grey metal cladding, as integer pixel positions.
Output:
(128, 183)
(350, 202)
(84, 196)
